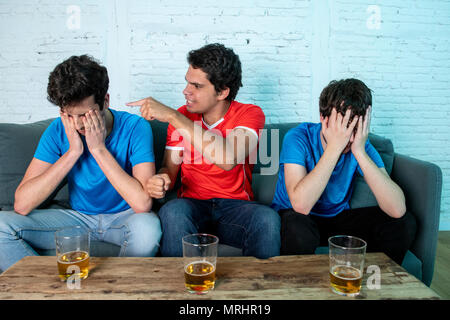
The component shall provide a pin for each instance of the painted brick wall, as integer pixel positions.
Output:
(289, 50)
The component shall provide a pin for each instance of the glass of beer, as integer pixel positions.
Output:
(72, 252)
(200, 255)
(346, 264)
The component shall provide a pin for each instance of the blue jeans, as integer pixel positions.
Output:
(253, 227)
(138, 234)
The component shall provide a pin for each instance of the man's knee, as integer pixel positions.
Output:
(269, 220)
(8, 222)
(145, 231)
(174, 211)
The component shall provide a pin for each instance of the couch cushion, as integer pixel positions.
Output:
(270, 144)
(17, 145)
(362, 195)
(264, 187)
(159, 130)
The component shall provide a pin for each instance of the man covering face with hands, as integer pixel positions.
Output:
(106, 156)
(318, 164)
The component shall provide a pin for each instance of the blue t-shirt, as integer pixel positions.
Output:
(302, 146)
(130, 143)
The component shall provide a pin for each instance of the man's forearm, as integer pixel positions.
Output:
(127, 186)
(309, 189)
(214, 147)
(389, 196)
(31, 193)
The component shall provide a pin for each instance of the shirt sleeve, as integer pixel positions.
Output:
(49, 147)
(252, 119)
(174, 140)
(142, 143)
(294, 149)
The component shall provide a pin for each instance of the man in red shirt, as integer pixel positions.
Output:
(213, 139)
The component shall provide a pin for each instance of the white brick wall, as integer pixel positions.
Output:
(289, 50)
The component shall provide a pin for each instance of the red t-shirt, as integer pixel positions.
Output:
(202, 180)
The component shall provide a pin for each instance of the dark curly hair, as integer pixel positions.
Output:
(222, 66)
(75, 79)
(353, 92)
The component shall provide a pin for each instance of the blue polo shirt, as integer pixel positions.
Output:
(130, 142)
(302, 146)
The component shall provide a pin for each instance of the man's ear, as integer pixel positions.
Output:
(106, 102)
(223, 94)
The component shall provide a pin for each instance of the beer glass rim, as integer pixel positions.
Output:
(59, 231)
(364, 243)
(216, 239)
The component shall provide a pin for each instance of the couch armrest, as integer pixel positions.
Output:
(421, 182)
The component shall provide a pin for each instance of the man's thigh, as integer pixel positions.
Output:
(360, 222)
(237, 219)
(39, 226)
(188, 214)
(299, 233)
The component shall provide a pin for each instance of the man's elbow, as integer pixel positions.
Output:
(143, 206)
(299, 208)
(227, 167)
(399, 211)
(396, 211)
(21, 208)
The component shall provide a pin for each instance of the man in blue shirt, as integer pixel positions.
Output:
(318, 164)
(107, 157)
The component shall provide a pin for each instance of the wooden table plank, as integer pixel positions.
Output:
(284, 277)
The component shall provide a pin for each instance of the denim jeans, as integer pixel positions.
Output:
(138, 234)
(253, 227)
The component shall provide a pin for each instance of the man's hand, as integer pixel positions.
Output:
(335, 130)
(157, 185)
(95, 130)
(75, 142)
(153, 109)
(362, 133)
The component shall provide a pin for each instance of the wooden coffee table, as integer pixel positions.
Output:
(284, 277)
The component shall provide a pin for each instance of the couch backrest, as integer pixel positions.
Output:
(19, 141)
(17, 145)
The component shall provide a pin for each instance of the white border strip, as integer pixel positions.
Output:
(174, 148)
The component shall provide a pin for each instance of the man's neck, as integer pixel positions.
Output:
(109, 121)
(216, 113)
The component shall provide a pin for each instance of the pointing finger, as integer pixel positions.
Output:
(137, 103)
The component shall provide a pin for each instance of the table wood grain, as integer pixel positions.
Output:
(284, 277)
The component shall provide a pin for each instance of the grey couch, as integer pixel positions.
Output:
(421, 182)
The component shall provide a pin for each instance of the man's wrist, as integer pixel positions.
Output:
(74, 153)
(359, 154)
(333, 150)
(99, 151)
